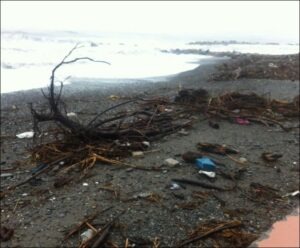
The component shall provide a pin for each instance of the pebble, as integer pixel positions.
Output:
(146, 143)
(183, 132)
(243, 160)
(85, 184)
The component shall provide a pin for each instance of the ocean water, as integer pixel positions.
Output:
(28, 58)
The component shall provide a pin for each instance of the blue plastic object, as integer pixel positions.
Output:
(205, 164)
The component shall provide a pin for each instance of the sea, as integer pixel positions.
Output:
(27, 58)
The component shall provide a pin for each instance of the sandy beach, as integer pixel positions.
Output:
(41, 215)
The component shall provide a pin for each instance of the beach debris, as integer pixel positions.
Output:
(6, 175)
(5, 233)
(190, 157)
(216, 148)
(183, 132)
(85, 184)
(71, 114)
(243, 160)
(113, 97)
(188, 96)
(210, 174)
(201, 184)
(146, 143)
(270, 157)
(205, 164)
(242, 121)
(261, 193)
(137, 154)
(175, 186)
(272, 65)
(214, 125)
(25, 135)
(171, 162)
(86, 235)
(38, 168)
(206, 230)
(297, 192)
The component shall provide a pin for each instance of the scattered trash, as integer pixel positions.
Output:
(113, 97)
(243, 160)
(146, 143)
(137, 154)
(205, 164)
(25, 194)
(175, 186)
(214, 125)
(71, 114)
(216, 148)
(86, 235)
(292, 194)
(190, 157)
(171, 162)
(294, 163)
(183, 132)
(271, 157)
(85, 184)
(210, 174)
(5, 175)
(38, 168)
(25, 135)
(272, 65)
(241, 121)
(5, 233)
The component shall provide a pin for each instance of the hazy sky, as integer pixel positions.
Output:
(268, 20)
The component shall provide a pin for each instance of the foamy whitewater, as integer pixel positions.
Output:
(28, 58)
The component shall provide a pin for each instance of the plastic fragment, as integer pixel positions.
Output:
(210, 174)
(205, 164)
(26, 135)
(171, 162)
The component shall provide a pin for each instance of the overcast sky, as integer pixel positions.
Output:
(268, 20)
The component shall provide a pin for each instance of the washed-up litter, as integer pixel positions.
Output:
(190, 157)
(183, 132)
(5, 175)
(146, 143)
(171, 162)
(86, 235)
(210, 174)
(243, 160)
(201, 184)
(205, 164)
(71, 114)
(25, 135)
(297, 192)
(242, 121)
(5, 233)
(137, 154)
(216, 148)
(175, 186)
(38, 168)
(271, 157)
(85, 184)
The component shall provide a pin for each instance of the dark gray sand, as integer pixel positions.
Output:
(41, 215)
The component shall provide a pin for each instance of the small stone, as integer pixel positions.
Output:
(25, 194)
(85, 184)
(171, 162)
(71, 114)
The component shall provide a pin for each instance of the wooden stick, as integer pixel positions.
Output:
(214, 230)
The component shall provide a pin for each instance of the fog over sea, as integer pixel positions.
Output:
(27, 58)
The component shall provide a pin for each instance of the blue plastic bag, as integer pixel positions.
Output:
(205, 164)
